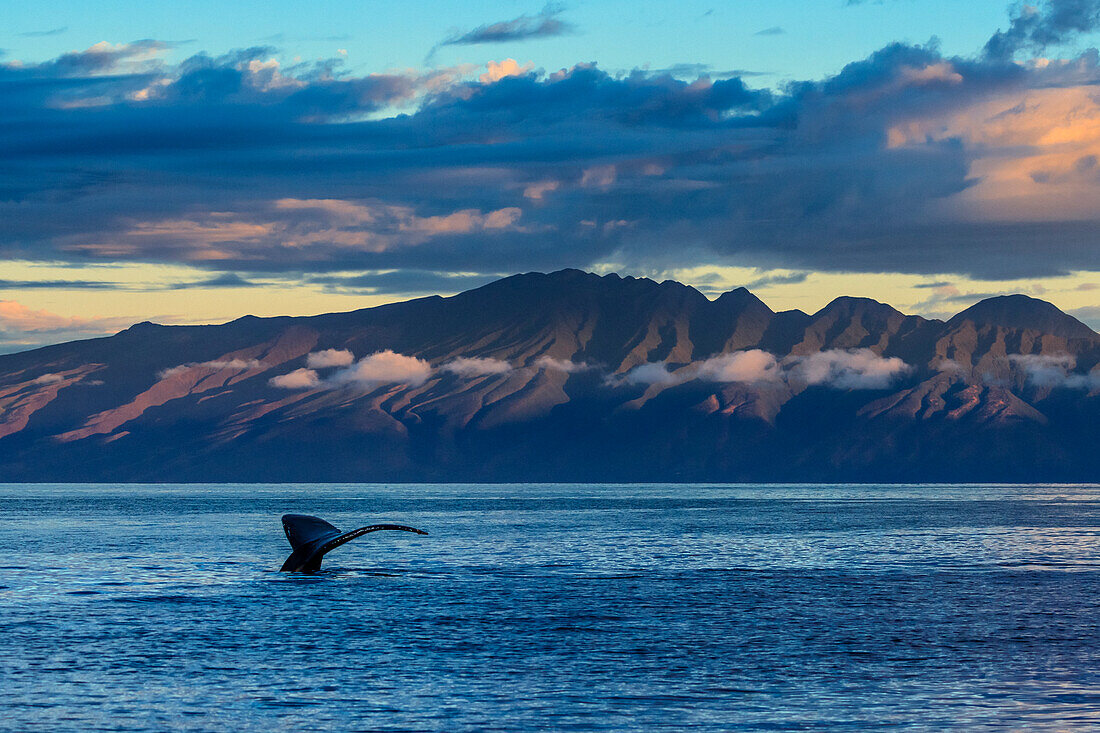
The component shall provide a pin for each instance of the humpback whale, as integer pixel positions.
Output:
(311, 537)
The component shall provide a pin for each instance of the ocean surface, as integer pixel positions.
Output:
(562, 607)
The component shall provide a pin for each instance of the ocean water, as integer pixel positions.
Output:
(558, 607)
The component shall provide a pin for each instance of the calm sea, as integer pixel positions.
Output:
(564, 607)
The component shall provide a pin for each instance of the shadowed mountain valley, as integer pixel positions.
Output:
(567, 377)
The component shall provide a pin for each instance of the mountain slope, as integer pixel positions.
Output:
(567, 376)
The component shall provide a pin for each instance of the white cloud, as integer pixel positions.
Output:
(49, 379)
(330, 358)
(374, 226)
(238, 365)
(652, 373)
(948, 365)
(470, 367)
(1054, 371)
(740, 366)
(841, 369)
(855, 369)
(560, 365)
(297, 379)
(385, 367)
(752, 366)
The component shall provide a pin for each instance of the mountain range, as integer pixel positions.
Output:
(567, 376)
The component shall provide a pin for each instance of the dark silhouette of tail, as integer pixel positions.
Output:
(312, 537)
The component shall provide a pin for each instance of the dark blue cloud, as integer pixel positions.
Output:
(45, 33)
(99, 58)
(402, 282)
(694, 71)
(545, 24)
(1048, 24)
(762, 282)
(585, 93)
(235, 164)
(57, 285)
(224, 280)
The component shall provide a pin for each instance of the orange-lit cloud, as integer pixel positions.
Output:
(498, 70)
(297, 379)
(15, 316)
(1034, 153)
(330, 358)
(385, 367)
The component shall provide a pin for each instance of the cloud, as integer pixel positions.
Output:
(56, 285)
(767, 281)
(839, 369)
(404, 282)
(599, 176)
(949, 366)
(651, 373)
(1089, 314)
(944, 297)
(16, 316)
(384, 367)
(695, 70)
(43, 34)
(297, 379)
(851, 369)
(237, 365)
(102, 59)
(1038, 27)
(225, 280)
(749, 366)
(560, 365)
(907, 160)
(470, 367)
(537, 190)
(48, 379)
(329, 358)
(22, 327)
(497, 70)
(1055, 371)
(545, 24)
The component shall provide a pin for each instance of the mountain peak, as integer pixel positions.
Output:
(143, 326)
(850, 304)
(742, 299)
(1022, 311)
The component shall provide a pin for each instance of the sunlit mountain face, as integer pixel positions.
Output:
(567, 376)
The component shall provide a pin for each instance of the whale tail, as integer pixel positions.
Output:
(312, 537)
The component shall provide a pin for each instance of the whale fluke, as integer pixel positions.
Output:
(312, 537)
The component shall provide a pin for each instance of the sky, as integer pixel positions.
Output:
(195, 162)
